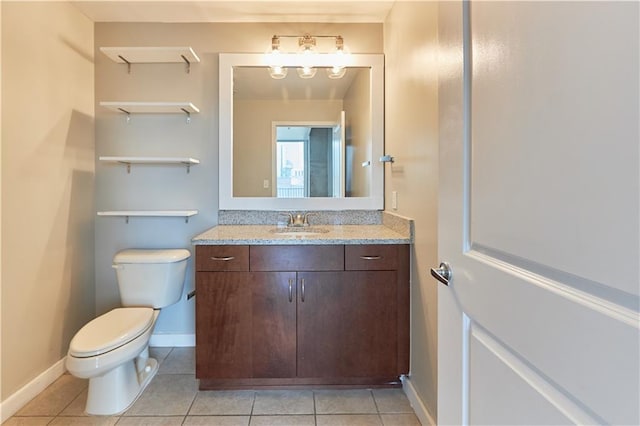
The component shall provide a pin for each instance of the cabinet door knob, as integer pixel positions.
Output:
(302, 293)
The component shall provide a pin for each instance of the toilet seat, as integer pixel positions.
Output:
(110, 331)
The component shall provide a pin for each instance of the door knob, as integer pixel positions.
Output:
(442, 273)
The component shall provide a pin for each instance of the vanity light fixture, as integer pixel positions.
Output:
(307, 48)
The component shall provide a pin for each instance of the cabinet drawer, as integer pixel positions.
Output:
(371, 257)
(297, 258)
(222, 258)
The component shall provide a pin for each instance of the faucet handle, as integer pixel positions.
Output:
(306, 218)
(289, 215)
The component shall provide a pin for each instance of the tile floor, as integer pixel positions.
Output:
(172, 398)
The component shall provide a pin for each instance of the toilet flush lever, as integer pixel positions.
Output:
(114, 266)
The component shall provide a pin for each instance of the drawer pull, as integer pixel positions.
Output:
(371, 257)
(290, 290)
(224, 258)
(302, 285)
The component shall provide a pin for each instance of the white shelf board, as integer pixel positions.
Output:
(150, 160)
(151, 107)
(150, 55)
(149, 213)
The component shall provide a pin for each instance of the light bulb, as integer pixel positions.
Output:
(336, 72)
(338, 69)
(276, 70)
(307, 45)
(306, 72)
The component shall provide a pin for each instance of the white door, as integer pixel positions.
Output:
(539, 213)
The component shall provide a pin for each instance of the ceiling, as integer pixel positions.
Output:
(348, 11)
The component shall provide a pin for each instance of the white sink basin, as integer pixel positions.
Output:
(301, 232)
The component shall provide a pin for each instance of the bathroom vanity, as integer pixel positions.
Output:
(279, 309)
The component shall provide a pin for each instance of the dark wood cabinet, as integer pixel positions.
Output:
(347, 324)
(302, 315)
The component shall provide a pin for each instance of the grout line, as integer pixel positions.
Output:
(195, 395)
(375, 403)
(253, 403)
(315, 411)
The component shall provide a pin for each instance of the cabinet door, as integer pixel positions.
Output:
(347, 324)
(245, 325)
(223, 324)
(273, 331)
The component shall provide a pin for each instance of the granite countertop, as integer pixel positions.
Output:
(337, 234)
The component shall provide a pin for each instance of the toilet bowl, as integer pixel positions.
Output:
(118, 365)
(112, 351)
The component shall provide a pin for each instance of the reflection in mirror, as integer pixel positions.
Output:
(296, 143)
(309, 160)
(322, 105)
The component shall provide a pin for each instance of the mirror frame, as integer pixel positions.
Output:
(375, 200)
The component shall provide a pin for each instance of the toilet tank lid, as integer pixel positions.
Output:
(151, 256)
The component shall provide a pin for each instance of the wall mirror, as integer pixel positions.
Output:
(297, 143)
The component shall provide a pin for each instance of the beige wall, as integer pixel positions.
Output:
(411, 136)
(252, 133)
(357, 106)
(47, 185)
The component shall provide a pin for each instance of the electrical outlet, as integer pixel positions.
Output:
(265, 184)
(394, 200)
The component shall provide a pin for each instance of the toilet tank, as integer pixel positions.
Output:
(150, 277)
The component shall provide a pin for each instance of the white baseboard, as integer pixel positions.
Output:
(416, 403)
(172, 340)
(19, 399)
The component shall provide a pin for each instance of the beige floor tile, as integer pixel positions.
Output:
(283, 421)
(77, 406)
(223, 403)
(392, 401)
(348, 420)
(216, 421)
(55, 398)
(357, 401)
(283, 402)
(84, 421)
(166, 395)
(400, 420)
(151, 421)
(27, 421)
(179, 361)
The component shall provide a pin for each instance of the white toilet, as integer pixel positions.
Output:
(112, 351)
